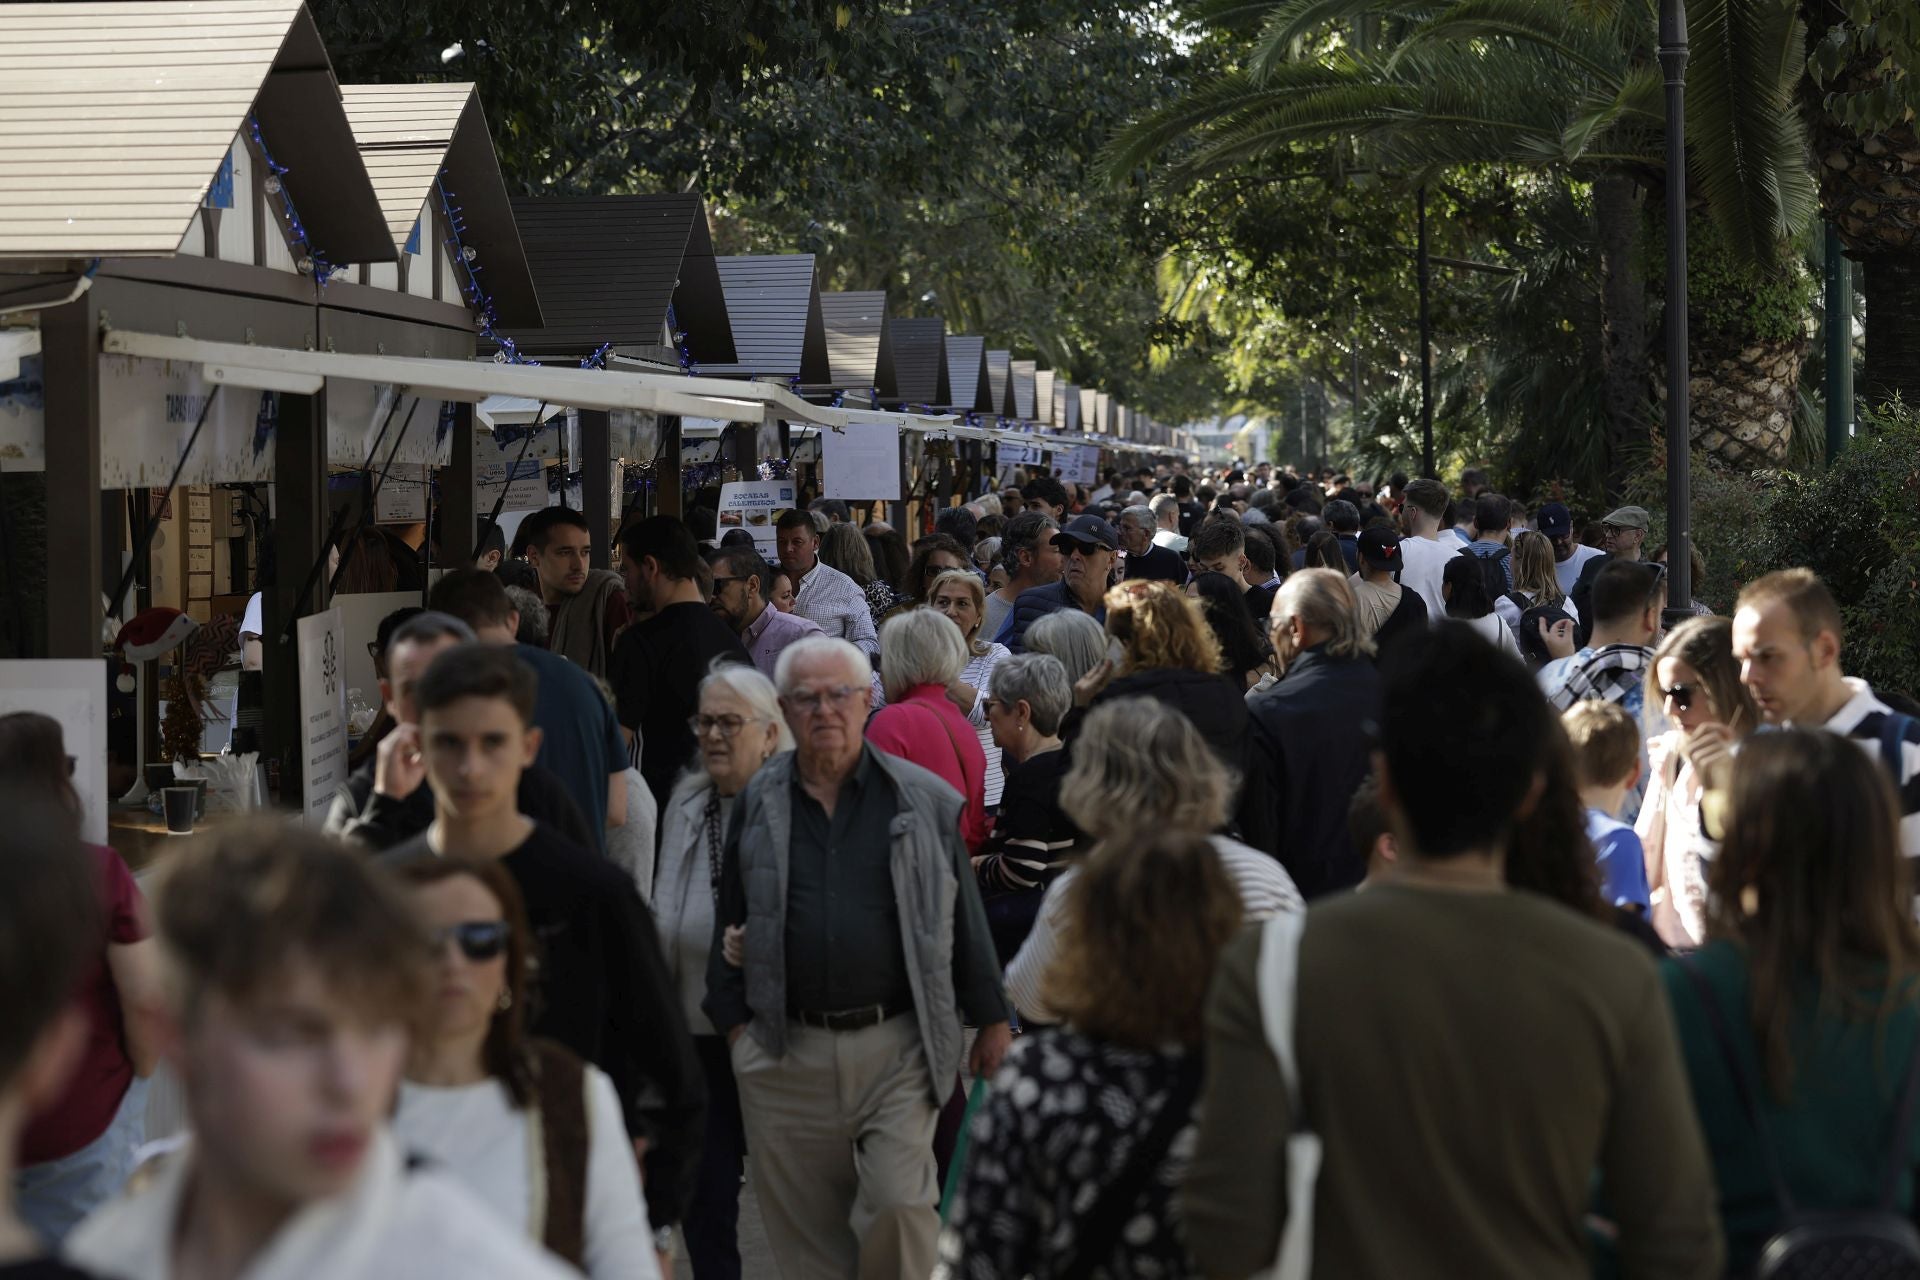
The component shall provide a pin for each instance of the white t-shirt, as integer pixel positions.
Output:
(1493, 631)
(1423, 561)
(1568, 570)
(476, 1135)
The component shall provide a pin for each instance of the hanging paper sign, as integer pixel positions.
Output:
(322, 645)
(403, 496)
(526, 489)
(755, 506)
(633, 436)
(356, 412)
(1021, 455)
(861, 462)
(148, 409)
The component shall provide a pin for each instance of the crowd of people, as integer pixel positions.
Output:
(1219, 875)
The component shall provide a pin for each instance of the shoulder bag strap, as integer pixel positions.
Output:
(1100, 1228)
(959, 760)
(1745, 1088)
(565, 1134)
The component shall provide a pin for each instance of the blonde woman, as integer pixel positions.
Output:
(1536, 582)
(959, 595)
(1140, 766)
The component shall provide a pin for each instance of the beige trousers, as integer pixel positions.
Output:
(840, 1139)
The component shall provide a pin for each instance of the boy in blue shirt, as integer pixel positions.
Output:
(1606, 752)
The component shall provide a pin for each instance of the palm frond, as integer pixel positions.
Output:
(1545, 24)
(1748, 144)
(1292, 21)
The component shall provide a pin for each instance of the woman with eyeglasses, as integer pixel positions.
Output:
(739, 728)
(535, 1133)
(1697, 690)
(77, 1153)
(960, 595)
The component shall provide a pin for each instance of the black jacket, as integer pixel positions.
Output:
(1036, 603)
(1219, 712)
(380, 822)
(1311, 743)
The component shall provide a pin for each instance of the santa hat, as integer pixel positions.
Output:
(148, 634)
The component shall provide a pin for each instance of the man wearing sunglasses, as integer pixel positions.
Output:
(604, 991)
(742, 582)
(1088, 547)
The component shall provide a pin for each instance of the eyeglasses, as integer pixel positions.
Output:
(727, 725)
(478, 940)
(1680, 695)
(814, 700)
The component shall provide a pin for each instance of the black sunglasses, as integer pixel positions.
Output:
(1075, 547)
(1681, 695)
(478, 940)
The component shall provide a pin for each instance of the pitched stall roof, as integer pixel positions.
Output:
(407, 134)
(1045, 404)
(1021, 375)
(1089, 411)
(967, 383)
(1069, 396)
(1102, 421)
(1000, 382)
(913, 368)
(773, 307)
(608, 267)
(854, 323)
(115, 118)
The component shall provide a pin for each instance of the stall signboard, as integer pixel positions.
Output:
(367, 420)
(322, 642)
(74, 692)
(402, 498)
(148, 409)
(526, 486)
(1078, 465)
(1021, 455)
(861, 462)
(755, 505)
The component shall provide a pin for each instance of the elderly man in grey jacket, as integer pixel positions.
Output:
(865, 946)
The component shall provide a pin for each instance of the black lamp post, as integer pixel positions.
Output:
(1673, 60)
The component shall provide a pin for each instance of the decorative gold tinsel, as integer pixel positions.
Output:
(181, 729)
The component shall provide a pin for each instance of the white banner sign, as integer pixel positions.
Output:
(861, 462)
(1020, 455)
(526, 491)
(403, 496)
(754, 506)
(74, 692)
(148, 409)
(356, 413)
(1078, 465)
(322, 642)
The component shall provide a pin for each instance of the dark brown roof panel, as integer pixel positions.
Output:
(1020, 379)
(773, 308)
(913, 361)
(967, 374)
(854, 325)
(1000, 382)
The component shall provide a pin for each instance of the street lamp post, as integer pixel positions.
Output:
(1673, 60)
(1425, 269)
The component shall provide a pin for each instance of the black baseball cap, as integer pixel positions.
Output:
(1084, 529)
(1555, 520)
(1380, 548)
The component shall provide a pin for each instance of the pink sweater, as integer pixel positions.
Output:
(923, 727)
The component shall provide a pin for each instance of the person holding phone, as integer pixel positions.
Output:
(1698, 690)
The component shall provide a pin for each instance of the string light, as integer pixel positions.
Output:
(776, 469)
(306, 254)
(467, 259)
(688, 365)
(598, 360)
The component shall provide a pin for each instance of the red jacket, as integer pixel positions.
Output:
(926, 729)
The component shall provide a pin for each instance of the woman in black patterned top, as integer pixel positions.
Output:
(1027, 695)
(1079, 1148)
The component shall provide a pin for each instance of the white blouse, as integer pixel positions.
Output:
(476, 1135)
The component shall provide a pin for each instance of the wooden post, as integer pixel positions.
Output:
(668, 500)
(596, 482)
(299, 529)
(459, 503)
(899, 512)
(70, 348)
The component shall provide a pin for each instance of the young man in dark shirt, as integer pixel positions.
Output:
(387, 799)
(49, 932)
(604, 988)
(659, 662)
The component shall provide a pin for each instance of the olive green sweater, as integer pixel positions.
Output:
(1470, 1061)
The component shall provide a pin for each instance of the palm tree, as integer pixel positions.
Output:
(1868, 157)
(1563, 84)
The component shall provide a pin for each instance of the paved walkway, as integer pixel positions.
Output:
(756, 1255)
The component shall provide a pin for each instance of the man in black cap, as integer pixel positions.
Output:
(1569, 556)
(1388, 612)
(1087, 546)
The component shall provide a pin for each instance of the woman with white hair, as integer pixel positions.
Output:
(739, 727)
(921, 656)
(1032, 839)
(961, 597)
(1140, 766)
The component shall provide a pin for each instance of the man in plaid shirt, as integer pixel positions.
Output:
(1627, 598)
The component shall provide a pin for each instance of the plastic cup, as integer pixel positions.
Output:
(180, 804)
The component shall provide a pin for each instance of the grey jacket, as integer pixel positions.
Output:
(951, 964)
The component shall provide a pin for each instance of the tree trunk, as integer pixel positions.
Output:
(1744, 397)
(1892, 278)
(1623, 320)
